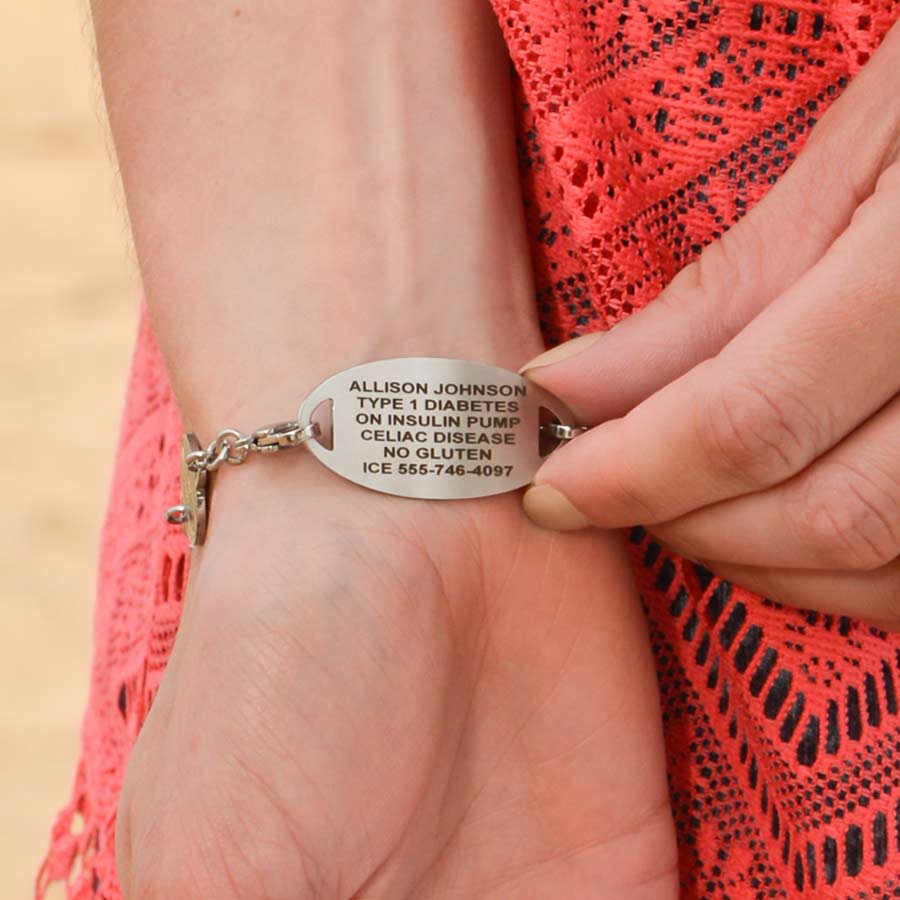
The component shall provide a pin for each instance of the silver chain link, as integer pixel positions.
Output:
(233, 447)
(563, 432)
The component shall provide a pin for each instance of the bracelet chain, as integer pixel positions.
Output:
(233, 447)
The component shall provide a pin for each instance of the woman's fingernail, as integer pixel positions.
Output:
(550, 508)
(562, 351)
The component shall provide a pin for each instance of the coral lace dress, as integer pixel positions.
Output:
(646, 128)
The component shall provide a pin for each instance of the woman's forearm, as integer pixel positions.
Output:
(310, 186)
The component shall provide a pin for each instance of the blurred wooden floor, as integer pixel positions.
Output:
(68, 299)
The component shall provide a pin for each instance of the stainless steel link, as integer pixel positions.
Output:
(233, 447)
(563, 432)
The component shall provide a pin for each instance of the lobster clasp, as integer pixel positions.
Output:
(283, 436)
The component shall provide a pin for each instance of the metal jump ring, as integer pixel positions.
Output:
(221, 449)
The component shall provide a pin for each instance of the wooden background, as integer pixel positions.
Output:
(68, 298)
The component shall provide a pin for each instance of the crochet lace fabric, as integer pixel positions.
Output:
(646, 129)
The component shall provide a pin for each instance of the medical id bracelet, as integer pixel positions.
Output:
(425, 427)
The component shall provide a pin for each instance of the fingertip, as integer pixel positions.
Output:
(561, 352)
(549, 508)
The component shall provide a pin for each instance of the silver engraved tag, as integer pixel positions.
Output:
(433, 428)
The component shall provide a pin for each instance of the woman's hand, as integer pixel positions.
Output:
(751, 415)
(375, 697)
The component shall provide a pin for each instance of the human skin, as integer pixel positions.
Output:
(368, 696)
(762, 387)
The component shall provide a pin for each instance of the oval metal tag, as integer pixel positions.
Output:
(433, 428)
